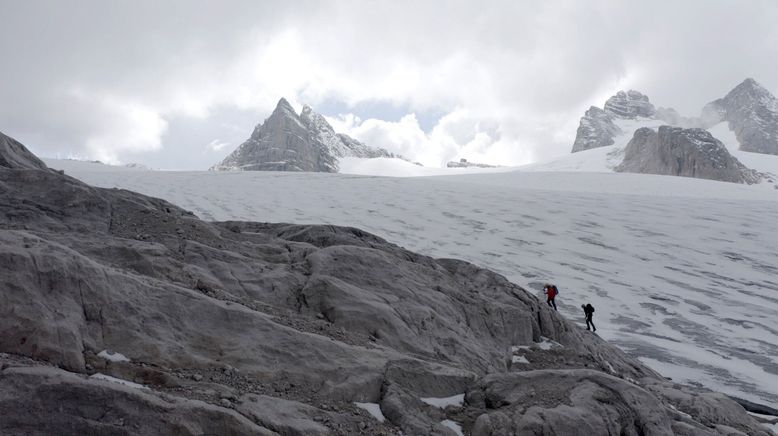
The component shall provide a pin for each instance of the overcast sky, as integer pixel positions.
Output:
(180, 84)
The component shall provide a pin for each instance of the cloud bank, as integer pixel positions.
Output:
(121, 81)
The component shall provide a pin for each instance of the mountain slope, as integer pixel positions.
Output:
(15, 155)
(256, 328)
(680, 269)
(287, 141)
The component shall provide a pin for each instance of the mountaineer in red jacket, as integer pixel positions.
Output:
(551, 291)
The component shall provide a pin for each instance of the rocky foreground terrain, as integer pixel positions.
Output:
(123, 314)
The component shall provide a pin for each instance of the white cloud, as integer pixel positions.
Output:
(217, 145)
(513, 77)
(126, 126)
(459, 134)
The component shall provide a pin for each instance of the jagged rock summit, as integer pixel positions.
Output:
(287, 141)
(598, 127)
(628, 105)
(123, 314)
(676, 151)
(752, 113)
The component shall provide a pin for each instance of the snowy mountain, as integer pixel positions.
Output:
(629, 105)
(751, 112)
(287, 141)
(599, 127)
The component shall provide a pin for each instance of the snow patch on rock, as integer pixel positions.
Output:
(374, 409)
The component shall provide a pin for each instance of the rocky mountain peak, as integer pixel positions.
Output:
(752, 113)
(750, 84)
(287, 141)
(285, 106)
(315, 120)
(596, 129)
(630, 104)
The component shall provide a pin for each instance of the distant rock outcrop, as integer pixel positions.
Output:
(463, 163)
(287, 141)
(676, 151)
(123, 314)
(752, 113)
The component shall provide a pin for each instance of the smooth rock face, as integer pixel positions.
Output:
(287, 141)
(752, 113)
(596, 129)
(676, 151)
(256, 328)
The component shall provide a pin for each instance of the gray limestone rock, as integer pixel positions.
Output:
(287, 141)
(629, 105)
(281, 143)
(582, 401)
(285, 416)
(751, 112)
(15, 155)
(596, 129)
(39, 401)
(683, 152)
(285, 325)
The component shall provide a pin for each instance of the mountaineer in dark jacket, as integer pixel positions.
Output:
(589, 311)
